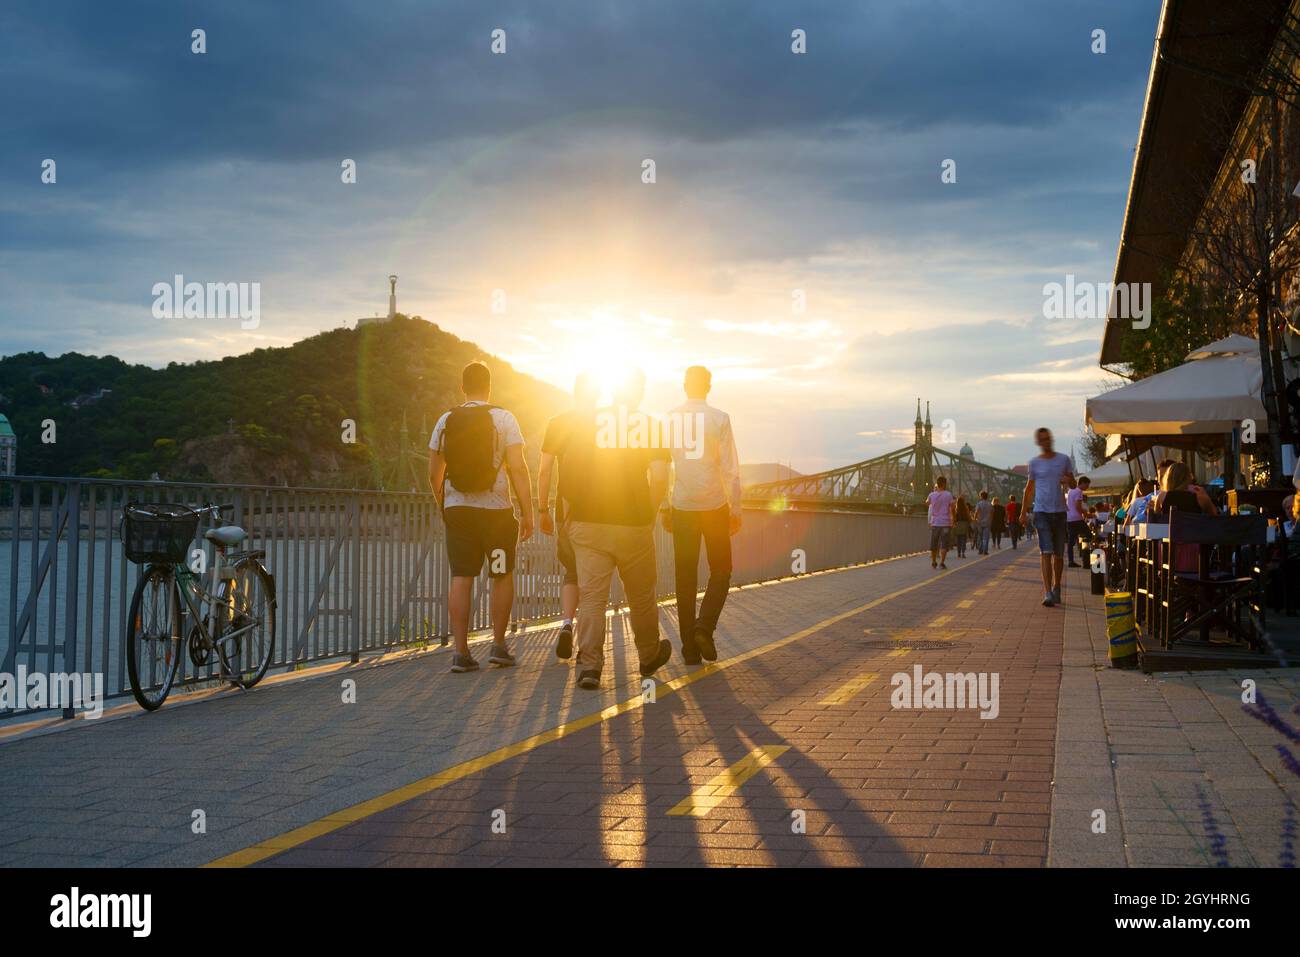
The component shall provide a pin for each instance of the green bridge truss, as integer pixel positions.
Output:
(897, 479)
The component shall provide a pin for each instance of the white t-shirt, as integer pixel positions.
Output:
(940, 508)
(1074, 505)
(508, 434)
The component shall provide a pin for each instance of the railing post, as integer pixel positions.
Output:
(73, 504)
(354, 520)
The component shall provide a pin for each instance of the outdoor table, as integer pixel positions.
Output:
(1151, 563)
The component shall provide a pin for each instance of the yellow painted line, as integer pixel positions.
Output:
(350, 815)
(846, 691)
(940, 621)
(708, 796)
(925, 634)
(898, 652)
(966, 603)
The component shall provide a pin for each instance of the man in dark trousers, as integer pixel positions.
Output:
(705, 505)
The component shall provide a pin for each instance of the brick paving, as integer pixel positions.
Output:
(791, 754)
(1185, 776)
(872, 785)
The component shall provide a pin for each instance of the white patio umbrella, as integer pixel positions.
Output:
(1215, 390)
(1110, 478)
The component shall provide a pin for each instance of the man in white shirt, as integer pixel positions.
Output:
(705, 504)
(474, 447)
(941, 510)
(1076, 520)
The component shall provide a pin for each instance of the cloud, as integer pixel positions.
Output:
(521, 172)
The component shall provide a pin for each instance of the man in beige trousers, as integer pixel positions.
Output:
(620, 475)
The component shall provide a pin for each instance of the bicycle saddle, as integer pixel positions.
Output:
(226, 535)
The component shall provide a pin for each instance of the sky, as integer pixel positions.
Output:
(798, 237)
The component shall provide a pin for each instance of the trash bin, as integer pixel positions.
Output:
(1121, 632)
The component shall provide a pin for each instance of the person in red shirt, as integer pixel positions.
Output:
(1013, 519)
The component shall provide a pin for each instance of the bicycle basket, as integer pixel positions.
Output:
(158, 532)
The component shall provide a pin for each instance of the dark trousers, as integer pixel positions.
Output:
(1077, 533)
(688, 528)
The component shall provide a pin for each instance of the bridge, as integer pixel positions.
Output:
(896, 480)
(793, 749)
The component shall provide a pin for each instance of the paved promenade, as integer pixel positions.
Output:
(786, 752)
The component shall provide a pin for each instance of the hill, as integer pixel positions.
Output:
(760, 472)
(271, 416)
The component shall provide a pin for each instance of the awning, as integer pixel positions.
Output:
(1215, 391)
(1207, 53)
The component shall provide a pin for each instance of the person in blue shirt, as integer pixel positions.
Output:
(1136, 511)
(1050, 473)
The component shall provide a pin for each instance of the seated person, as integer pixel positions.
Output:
(1178, 492)
(1139, 502)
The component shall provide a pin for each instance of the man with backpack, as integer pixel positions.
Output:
(477, 454)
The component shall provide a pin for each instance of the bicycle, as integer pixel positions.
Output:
(171, 607)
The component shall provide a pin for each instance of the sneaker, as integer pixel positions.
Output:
(704, 642)
(661, 659)
(690, 654)
(462, 663)
(933, 563)
(1048, 599)
(564, 647)
(943, 564)
(589, 680)
(501, 656)
(1056, 596)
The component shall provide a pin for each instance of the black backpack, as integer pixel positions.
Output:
(469, 446)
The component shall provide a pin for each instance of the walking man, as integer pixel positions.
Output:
(1049, 474)
(941, 508)
(1013, 519)
(999, 525)
(705, 504)
(983, 523)
(469, 447)
(1076, 520)
(618, 482)
(559, 433)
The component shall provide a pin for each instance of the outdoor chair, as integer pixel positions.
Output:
(1215, 592)
(1278, 565)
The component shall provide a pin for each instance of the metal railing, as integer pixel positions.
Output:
(356, 572)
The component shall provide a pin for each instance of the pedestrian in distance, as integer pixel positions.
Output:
(940, 508)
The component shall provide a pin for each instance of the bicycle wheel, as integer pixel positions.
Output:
(245, 638)
(153, 637)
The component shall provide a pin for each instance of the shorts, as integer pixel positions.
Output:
(1051, 533)
(475, 534)
(564, 552)
(939, 537)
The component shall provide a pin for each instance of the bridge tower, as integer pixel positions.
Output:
(898, 479)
